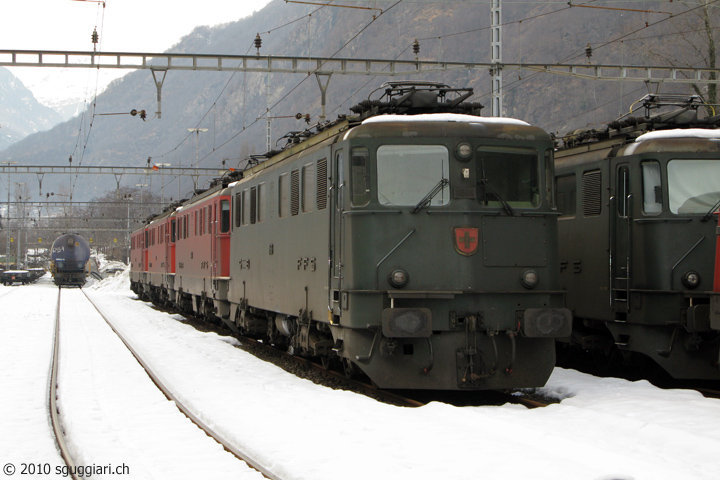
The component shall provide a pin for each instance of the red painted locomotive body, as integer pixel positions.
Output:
(184, 255)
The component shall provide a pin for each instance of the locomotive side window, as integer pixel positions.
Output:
(224, 216)
(693, 185)
(173, 225)
(261, 202)
(360, 176)
(246, 206)
(283, 195)
(309, 188)
(566, 195)
(592, 193)
(510, 174)
(408, 173)
(652, 188)
(238, 209)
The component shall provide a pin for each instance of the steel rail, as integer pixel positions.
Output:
(193, 418)
(54, 417)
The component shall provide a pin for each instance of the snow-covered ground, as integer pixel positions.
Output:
(603, 429)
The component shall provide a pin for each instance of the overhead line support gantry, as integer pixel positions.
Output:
(161, 63)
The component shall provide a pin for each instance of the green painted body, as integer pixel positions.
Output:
(625, 249)
(321, 272)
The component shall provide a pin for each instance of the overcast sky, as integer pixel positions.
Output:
(123, 26)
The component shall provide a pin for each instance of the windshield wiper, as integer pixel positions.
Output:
(710, 212)
(428, 198)
(484, 182)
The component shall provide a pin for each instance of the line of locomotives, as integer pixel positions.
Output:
(414, 241)
(639, 241)
(420, 243)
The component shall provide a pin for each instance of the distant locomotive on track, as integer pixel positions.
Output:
(70, 255)
(637, 233)
(415, 241)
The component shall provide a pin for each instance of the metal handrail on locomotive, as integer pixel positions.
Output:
(638, 236)
(414, 241)
(70, 258)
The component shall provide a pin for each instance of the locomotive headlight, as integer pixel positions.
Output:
(691, 279)
(398, 278)
(463, 151)
(529, 278)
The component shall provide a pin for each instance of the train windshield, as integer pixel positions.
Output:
(407, 173)
(508, 176)
(693, 185)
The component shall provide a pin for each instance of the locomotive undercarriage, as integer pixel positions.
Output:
(471, 356)
(686, 348)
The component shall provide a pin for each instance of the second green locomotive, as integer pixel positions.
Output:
(639, 198)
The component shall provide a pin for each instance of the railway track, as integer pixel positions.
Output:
(54, 413)
(338, 379)
(57, 424)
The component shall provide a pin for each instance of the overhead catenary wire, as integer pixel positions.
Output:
(287, 94)
(291, 91)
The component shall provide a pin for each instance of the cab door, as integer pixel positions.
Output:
(621, 242)
(221, 238)
(337, 207)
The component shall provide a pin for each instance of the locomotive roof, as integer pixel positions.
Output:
(443, 117)
(680, 133)
(684, 122)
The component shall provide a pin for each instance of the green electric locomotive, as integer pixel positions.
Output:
(414, 241)
(638, 198)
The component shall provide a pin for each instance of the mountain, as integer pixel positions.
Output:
(231, 105)
(20, 113)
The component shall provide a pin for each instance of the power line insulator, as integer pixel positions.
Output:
(588, 51)
(258, 43)
(416, 48)
(95, 37)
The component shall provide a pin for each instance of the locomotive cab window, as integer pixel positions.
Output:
(693, 185)
(652, 188)
(360, 177)
(224, 216)
(406, 174)
(508, 175)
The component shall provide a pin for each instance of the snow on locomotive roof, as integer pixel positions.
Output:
(680, 133)
(443, 117)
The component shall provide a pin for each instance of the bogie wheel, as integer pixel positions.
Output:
(349, 368)
(325, 361)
